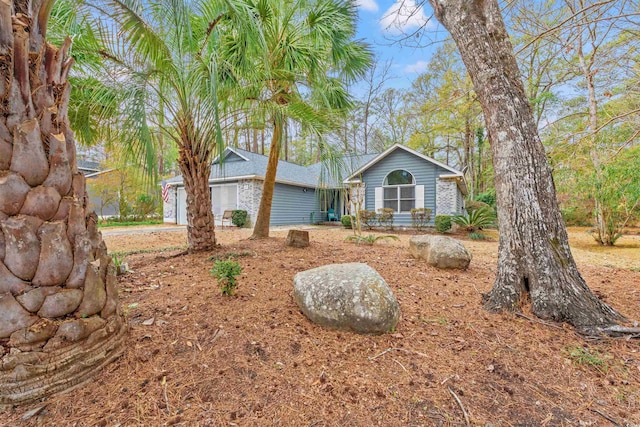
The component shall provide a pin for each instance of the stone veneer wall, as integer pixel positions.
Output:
(249, 195)
(446, 197)
(170, 208)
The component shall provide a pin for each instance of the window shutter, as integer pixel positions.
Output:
(379, 198)
(419, 196)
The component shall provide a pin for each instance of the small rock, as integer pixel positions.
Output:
(440, 251)
(298, 238)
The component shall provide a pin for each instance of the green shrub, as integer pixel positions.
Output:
(443, 223)
(475, 220)
(420, 217)
(367, 218)
(488, 197)
(144, 206)
(226, 272)
(477, 236)
(385, 217)
(370, 239)
(346, 221)
(239, 218)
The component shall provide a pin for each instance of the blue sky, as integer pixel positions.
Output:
(385, 23)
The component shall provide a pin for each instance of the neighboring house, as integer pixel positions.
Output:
(91, 171)
(399, 178)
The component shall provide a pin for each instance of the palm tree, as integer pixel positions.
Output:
(310, 56)
(59, 311)
(167, 59)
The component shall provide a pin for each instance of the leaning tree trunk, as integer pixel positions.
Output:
(261, 229)
(201, 234)
(59, 314)
(534, 256)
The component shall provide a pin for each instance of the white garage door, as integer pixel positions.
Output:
(182, 207)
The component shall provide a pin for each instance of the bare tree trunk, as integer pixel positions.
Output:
(60, 319)
(261, 229)
(534, 256)
(201, 227)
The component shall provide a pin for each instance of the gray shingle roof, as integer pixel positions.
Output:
(256, 166)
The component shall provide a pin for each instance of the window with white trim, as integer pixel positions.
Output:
(399, 191)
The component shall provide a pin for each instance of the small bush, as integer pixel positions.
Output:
(370, 239)
(443, 223)
(239, 218)
(144, 206)
(346, 221)
(367, 218)
(488, 197)
(477, 236)
(475, 220)
(385, 217)
(420, 217)
(226, 272)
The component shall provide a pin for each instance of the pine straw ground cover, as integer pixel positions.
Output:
(195, 357)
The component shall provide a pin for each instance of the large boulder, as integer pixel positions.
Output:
(347, 296)
(440, 251)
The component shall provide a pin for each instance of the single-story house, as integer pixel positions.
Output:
(399, 178)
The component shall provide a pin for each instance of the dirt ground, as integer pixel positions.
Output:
(197, 358)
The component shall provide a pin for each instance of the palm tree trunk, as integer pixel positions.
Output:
(60, 319)
(261, 229)
(200, 221)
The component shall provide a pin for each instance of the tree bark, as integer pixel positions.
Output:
(200, 220)
(261, 229)
(59, 306)
(534, 257)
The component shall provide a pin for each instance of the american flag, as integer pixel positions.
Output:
(165, 191)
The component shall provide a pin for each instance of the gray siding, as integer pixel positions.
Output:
(292, 205)
(424, 172)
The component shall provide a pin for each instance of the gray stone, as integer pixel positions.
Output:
(298, 238)
(61, 304)
(440, 251)
(447, 197)
(13, 316)
(33, 300)
(347, 296)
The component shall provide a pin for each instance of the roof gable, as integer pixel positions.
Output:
(393, 148)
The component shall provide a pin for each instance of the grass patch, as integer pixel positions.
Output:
(585, 357)
(106, 224)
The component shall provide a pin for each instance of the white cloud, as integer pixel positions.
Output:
(418, 67)
(369, 5)
(403, 16)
